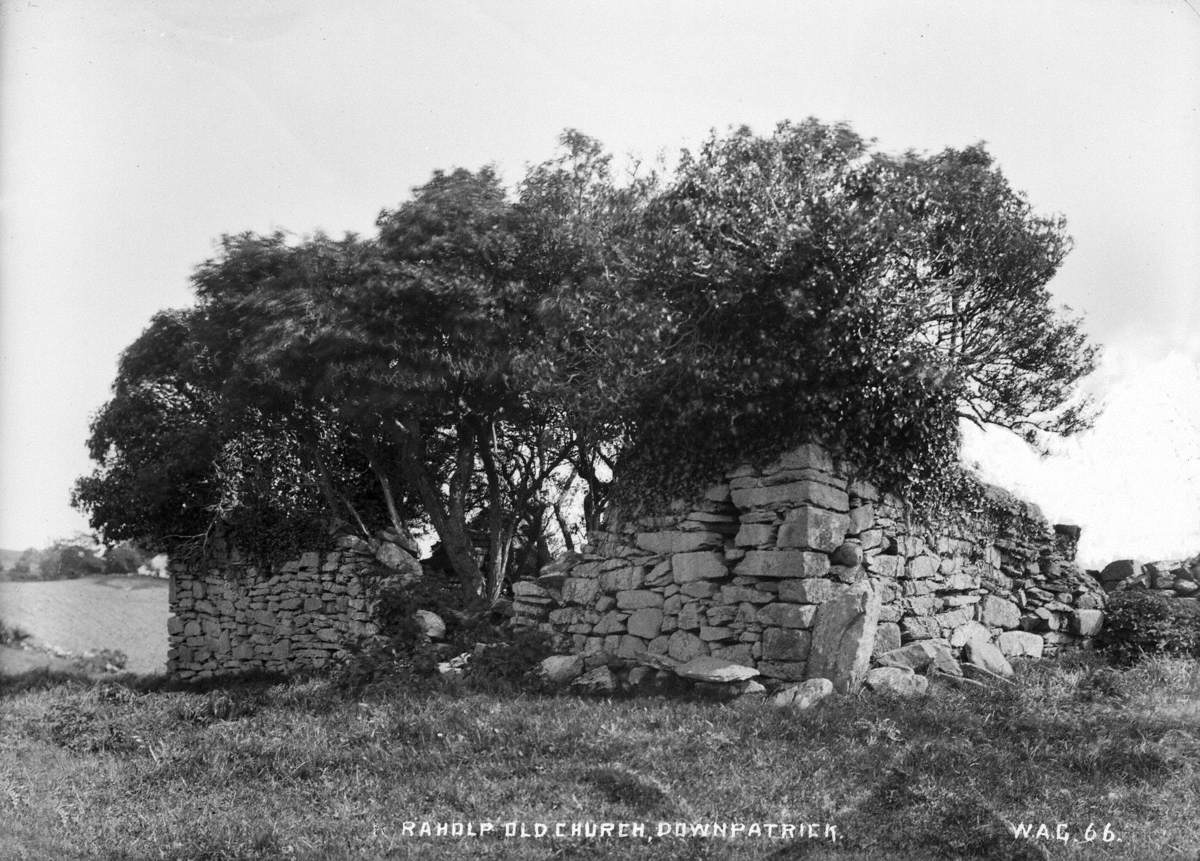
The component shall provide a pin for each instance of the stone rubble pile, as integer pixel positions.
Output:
(1175, 579)
(308, 613)
(804, 570)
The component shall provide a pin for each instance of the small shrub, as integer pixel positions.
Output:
(11, 635)
(1140, 623)
(510, 661)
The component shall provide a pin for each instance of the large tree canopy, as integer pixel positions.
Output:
(487, 350)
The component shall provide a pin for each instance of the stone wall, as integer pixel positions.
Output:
(229, 616)
(761, 568)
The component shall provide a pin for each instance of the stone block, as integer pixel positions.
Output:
(988, 657)
(741, 594)
(1020, 644)
(969, 632)
(611, 623)
(813, 591)
(713, 669)
(787, 615)
(804, 695)
(580, 590)
(785, 644)
(783, 563)
(997, 612)
(699, 589)
(922, 566)
(701, 565)
(622, 579)
(887, 637)
(1087, 623)
(900, 681)
(636, 599)
(684, 646)
(786, 670)
(812, 528)
(645, 623)
(672, 541)
(755, 535)
(790, 494)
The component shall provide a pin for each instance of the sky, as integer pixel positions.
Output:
(132, 135)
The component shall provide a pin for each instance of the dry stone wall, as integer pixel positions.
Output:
(801, 570)
(233, 617)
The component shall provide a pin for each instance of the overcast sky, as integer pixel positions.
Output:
(134, 134)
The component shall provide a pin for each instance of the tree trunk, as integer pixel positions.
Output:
(499, 533)
(448, 520)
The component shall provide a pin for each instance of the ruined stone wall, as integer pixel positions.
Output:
(747, 572)
(229, 616)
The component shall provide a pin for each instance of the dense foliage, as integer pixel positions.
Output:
(487, 354)
(1138, 623)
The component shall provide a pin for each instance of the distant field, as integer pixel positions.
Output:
(126, 613)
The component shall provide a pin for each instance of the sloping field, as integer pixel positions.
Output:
(125, 613)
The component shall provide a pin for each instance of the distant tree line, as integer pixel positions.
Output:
(489, 355)
(71, 558)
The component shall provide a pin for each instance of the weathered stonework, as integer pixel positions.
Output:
(309, 613)
(747, 572)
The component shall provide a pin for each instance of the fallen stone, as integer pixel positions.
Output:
(393, 557)
(843, 636)
(1020, 644)
(921, 656)
(1118, 571)
(804, 695)
(560, 669)
(896, 680)
(1087, 623)
(597, 681)
(969, 632)
(430, 623)
(987, 657)
(709, 669)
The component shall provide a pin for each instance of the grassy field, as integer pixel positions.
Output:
(124, 613)
(307, 769)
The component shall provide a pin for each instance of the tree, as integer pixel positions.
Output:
(802, 284)
(484, 354)
(386, 377)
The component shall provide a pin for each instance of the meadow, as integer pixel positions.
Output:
(1107, 760)
(128, 614)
